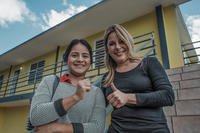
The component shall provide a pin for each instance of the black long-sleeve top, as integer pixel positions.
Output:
(153, 91)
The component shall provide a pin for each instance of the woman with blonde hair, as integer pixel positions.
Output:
(137, 88)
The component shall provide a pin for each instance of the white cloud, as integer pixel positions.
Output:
(55, 17)
(14, 11)
(193, 23)
(64, 2)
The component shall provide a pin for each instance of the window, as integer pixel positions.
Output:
(99, 54)
(14, 82)
(36, 71)
(1, 81)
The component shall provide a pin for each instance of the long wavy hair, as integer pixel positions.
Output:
(111, 65)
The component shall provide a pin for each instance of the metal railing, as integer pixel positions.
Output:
(145, 45)
(191, 53)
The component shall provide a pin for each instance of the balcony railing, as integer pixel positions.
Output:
(145, 45)
(191, 53)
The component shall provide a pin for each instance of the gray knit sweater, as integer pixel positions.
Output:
(88, 113)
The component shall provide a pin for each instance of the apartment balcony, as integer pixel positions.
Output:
(183, 117)
(191, 53)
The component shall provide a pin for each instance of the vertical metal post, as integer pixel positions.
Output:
(7, 81)
(162, 36)
(56, 59)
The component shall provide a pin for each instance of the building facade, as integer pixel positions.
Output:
(156, 26)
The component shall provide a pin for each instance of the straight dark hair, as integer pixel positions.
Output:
(73, 43)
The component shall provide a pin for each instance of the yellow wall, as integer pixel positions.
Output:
(2, 118)
(15, 119)
(61, 52)
(136, 27)
(60, 58)
(92, 39)
(49, 59)
(148, 23)
(5, 76)
(5, 73)
(145, 24)
(172, 37)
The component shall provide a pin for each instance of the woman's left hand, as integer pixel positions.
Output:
(117, 98)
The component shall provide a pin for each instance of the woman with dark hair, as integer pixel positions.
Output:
(77, 106)
(137, 88)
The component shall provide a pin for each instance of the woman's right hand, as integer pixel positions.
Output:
(83, 86)
(118, 99)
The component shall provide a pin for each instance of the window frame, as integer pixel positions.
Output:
(101, 62)
(35, 79)
(1, 81)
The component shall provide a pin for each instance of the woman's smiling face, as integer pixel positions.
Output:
(79, 60)
(117, 49)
